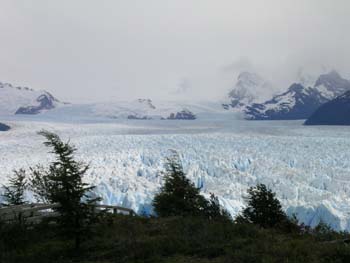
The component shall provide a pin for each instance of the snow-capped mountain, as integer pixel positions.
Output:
(250, 88)
(306, 79)
(334, 112)
(332, 85)
(23, 100)
(299, 101)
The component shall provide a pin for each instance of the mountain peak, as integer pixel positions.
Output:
(249, 76)
(23, 100)
(249, 79)
(147, 102)
(249, 88)
(334, 73)
(296, 87)
(298, 102)
(306, 79)
(332, 84)
(332, 77)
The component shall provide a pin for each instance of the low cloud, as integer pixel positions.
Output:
(91, 50)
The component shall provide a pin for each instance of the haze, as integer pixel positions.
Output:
(86, 50)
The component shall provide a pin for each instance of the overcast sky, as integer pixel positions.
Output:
(95, 50)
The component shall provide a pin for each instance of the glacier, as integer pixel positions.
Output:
(307, 167)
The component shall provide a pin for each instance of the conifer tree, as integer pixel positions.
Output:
(263, 208)
(178, 196)
(62, 183)
(14, 192)
(214, 211)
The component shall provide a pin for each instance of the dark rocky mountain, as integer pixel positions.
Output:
(334, 112)
(23, 100)
(182, 115)
(135, 117)
(4, 127)
(299, 102)
(45, 102)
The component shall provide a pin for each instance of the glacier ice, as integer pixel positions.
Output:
(307, 167)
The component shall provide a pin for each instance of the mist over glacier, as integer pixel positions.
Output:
(307, 167)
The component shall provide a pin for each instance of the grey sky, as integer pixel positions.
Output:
(99, 50)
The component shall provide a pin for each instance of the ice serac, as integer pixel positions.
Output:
(4, 127)
(23, 100)
(334, 112)
(299, 101)
(250, 88)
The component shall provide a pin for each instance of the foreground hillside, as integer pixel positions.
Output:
(177, 239)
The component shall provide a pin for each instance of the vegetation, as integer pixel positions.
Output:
(179, 197)
(172, 239)
(14, 192)
(214, 211)
(263, 208)
(62, 183)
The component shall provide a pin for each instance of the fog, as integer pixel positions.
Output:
(85, 50)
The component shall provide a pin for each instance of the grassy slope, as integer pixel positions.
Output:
(134, 239)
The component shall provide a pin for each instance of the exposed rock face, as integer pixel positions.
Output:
(296, 103)
(135, 117)
(182, 115)
(334, 112)
(147, 102)
(4, 127)
(23, 100)
(46, 102)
